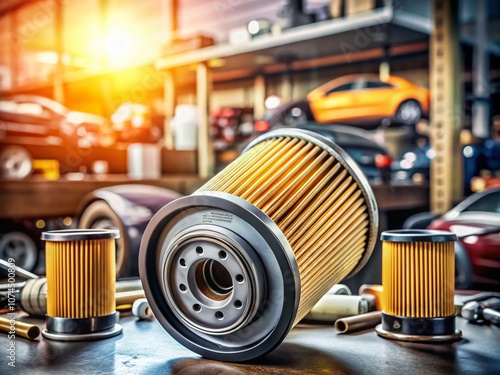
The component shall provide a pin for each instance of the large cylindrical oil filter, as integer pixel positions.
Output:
(418, 279)
(229, 270)
(80, 268)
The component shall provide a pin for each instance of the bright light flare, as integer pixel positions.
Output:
(272, 101)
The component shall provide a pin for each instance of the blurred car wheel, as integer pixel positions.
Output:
(296, 116)
(409, 112)
(15, 163)
(99, 215)
(19, 245)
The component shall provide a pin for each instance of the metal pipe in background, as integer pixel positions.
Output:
(128, 285)
(491, 316)
(33, 294)
(482, 312)
(128, 298)
(6, 286)
(20, 271)
(22, 329)
(332, 307)
(358, 322)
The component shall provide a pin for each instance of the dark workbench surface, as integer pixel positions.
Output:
(145, 348)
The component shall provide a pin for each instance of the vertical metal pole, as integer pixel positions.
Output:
(480, 74)
(384, 69)
(170, 18)
(446, 108)
(59, 73)
(106, 82)
(259, 96)
(169, 106)
(205, 151)
(286, 87)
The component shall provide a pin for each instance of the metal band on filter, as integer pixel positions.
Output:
(229, 270)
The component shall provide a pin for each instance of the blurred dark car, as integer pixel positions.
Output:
(127, 208)
(476, 221)
(491, 155)
(372, 158)
(39, 117)
(133, 123)
(230, 127)
(414, 163)
(288, 114)
(34, 127)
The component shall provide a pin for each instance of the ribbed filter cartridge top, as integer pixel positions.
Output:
(229, 270)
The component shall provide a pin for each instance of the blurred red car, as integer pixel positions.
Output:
(476, 221)
(230, 126)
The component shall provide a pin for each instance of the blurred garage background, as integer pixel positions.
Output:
(166, 93)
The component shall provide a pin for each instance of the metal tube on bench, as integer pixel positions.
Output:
(358, 322)
(21, 329)
(332, 307)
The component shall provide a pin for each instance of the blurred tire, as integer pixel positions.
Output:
(99, 215)
(17, 243)
(296, 116)
(15, 163)
(409, 112)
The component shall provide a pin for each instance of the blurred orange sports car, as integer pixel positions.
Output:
(367, 99)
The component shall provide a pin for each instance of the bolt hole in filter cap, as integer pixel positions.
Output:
(418, 279)
(230, 269)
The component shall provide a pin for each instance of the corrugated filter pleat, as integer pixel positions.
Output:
(80, 278)
(315, 202)
(418, 279)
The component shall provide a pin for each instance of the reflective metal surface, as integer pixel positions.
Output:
(263, 257)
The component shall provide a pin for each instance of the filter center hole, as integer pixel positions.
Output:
(213, 280)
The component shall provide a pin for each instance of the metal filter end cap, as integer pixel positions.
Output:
(244, 311)
(418, 329)
(80, 234)
(417, 235)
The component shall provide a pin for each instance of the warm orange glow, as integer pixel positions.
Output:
(261, 126)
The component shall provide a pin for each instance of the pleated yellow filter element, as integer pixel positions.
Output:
(418, 278)
(80, 268)
(232, 268)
